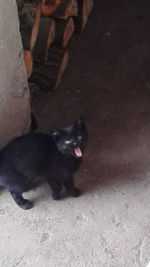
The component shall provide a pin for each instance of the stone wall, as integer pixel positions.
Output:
(14, 91)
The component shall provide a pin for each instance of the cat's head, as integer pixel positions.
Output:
(71, 140)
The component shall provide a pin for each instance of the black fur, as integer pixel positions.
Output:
(47, 155)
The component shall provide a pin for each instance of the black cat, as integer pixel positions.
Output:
(55, 156)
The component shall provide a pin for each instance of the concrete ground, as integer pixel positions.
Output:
(108, 81)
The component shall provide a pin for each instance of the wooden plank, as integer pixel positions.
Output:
(35, 29)
(28, 61)
(85, 9)
(64, 31)
(45, 38)
(27, 13)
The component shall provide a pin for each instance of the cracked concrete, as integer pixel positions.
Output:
(108, 81)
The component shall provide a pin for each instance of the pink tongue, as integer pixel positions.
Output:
(78, 152)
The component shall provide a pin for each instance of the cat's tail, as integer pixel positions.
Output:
(34, 124)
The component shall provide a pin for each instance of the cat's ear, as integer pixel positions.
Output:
(55, 133)
(80, 123)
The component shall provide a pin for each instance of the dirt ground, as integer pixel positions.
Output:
(108, 81)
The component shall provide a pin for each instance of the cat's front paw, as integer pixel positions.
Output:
(75, 192)
(26, 205)
(56, 196)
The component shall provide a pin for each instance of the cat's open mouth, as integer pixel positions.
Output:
(78, 152)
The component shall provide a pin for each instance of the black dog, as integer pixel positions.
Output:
(55, 156)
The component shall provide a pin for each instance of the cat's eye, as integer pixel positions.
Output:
(79, 137)
(67, 142)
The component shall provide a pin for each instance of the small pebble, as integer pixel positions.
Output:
(44, 237)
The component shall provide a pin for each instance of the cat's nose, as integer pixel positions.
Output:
(74, 143)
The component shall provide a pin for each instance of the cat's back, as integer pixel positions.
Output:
(32, 145)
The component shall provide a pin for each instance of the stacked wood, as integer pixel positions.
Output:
(84, 10)
(50, 61)
(48, 75)
(46, 27)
